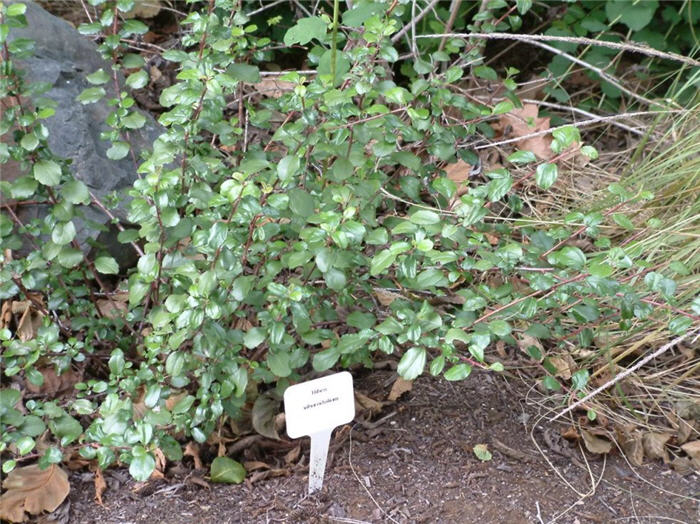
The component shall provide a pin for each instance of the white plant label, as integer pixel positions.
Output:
(315, 408)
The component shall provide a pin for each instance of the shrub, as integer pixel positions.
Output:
(281, 234)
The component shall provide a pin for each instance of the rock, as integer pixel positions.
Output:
(63, 58)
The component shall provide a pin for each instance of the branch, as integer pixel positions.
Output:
(633, 48)
(413, 23)
(626, 373)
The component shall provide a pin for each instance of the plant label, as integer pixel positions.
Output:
(315, 408)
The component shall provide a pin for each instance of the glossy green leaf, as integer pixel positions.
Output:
(47, 172)
(412, 363)
(226, 470)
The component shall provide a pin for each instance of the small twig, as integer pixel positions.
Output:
(454, 9)
(352, 468)
(582, 112)
(115, 220)
(583, 123)
(265, 7)
(633, 48)
(412, 24)
(625, 373)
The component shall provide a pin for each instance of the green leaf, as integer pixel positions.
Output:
(412, 363)
(47, 172)
(91, 95)
(660, 284)
(481, 451)
(301, 203)
(69, 257)
(502, 107)
(98, 77)
(305, 30)
(118, 150)
(134, 120)
(131, 27)
(522, 157)
(227, 470)
(458, 372)
(279, 364)
(76, 192)
(381, 261)
(566, 136)
(431, 278)
(325, 359)
(551, 383)
(17, 9)
(679, 325)
(66, 428)
(335, 279)
(635, 15)
(107, 265)
(29, 142)
(137, 80)
(25, 444)
(424, 217)
(244, 73)
(288, 167)
(500, 328)
(579, 379)
(485, 72)
(546, 175)
(569, 256)
(254, 337)
(142, 464)
(63, 233)
(622, 220)
(357, 16)
(499, 187)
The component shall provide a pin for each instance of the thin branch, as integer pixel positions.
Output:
(633, 48)
(625, 373)
(582, 112)
(454, 9)
(583, 123)
(413, 22)
(263, 8)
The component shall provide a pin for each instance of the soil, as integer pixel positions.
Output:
(413, 461)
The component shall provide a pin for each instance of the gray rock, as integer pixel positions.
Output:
(64, 58)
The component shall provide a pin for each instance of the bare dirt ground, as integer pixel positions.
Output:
(413, 462)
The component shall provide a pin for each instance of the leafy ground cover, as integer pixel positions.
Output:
(338, 186)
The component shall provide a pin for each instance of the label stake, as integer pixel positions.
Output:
(315, 408)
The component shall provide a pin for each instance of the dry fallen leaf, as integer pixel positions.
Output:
(565, 366)
(5, 314)
(595, 444)
(400, 387)
(523, 122)
(385, 297)
(525, 341)
(682, 465)
(292, 455)
(271, 86)
(192, 450)
(251, 465)
(632, 446)
(364, 402)
(30, 321)
(33, 490)
(693, 451)
(100, 484)
(144, 9)
(111, 308)
(459, 174)
(54, 384)
(655, 445)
